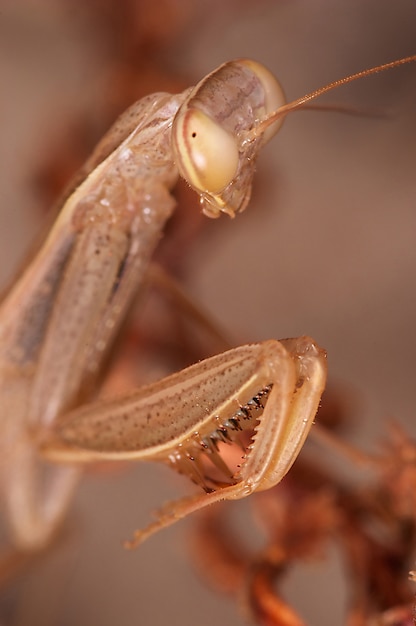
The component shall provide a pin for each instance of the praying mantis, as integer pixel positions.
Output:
(64, 312)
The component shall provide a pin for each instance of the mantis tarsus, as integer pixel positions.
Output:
(64, 312)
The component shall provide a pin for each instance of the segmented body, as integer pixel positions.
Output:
(64, 312)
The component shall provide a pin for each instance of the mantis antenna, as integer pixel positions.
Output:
(282, 111)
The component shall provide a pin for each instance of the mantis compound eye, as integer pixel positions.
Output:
(206, 154)
(274, 96)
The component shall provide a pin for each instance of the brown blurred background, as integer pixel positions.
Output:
(326, 247)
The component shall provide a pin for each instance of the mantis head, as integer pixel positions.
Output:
(220, 128)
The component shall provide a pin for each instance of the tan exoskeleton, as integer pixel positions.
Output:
(65, 310)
